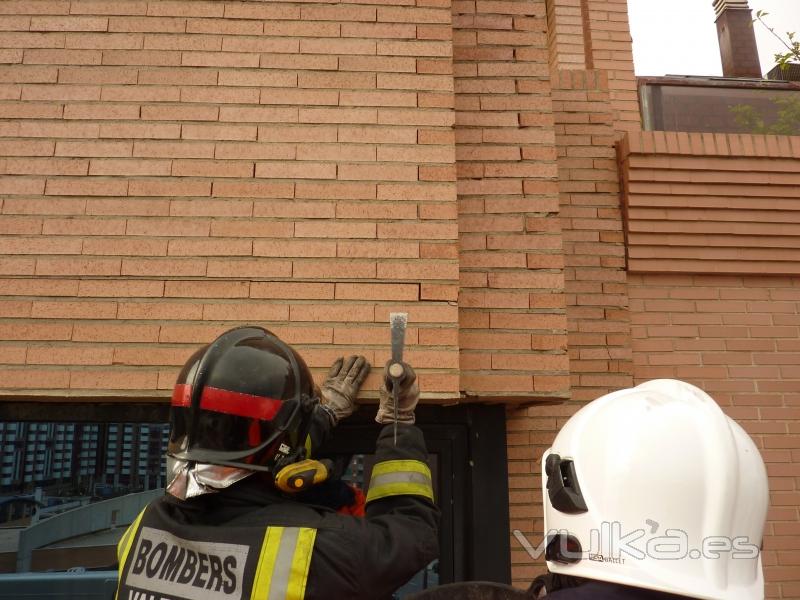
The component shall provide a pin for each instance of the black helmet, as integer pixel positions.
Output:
(245, 401)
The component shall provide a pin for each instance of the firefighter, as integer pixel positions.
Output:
(236, 522)
(653, 493)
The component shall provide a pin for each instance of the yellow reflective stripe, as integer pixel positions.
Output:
(395, 466)
(282, 571)
(124, 546)
(308, 446)
(296, 590)
(266, 562)
(400, 489)
(399, 478)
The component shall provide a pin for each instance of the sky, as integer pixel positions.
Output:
(658, 50)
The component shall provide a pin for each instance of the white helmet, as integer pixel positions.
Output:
(655, 487)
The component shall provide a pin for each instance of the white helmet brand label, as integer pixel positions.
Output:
(173, 566)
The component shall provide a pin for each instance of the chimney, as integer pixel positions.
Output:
(737, 39)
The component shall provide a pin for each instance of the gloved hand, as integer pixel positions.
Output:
(407, 396)
(338, 393)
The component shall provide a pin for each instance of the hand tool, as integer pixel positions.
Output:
(397, 323)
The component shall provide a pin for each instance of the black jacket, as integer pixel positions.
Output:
(353, 557)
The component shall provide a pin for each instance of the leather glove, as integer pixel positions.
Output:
(407, 396)
(338, 393)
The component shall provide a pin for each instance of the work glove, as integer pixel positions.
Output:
(407, 396)
(338, 393)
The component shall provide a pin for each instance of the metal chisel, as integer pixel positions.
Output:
(397, 323)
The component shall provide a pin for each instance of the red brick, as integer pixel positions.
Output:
(253, 189)
(241, 45)
(158, 149)
(317, 229)
(161, 310)
(300, 97)
(210, 247)
(412, 15)
(77, 266)
(179, 113)
(334, 269)
(331, 312)
(258, 114)
(178, 8)
(234, 312)
(365, 210)
(154, 267)
(316, 134)
(218, 132)
(336, 190)
(296, 170)
(36, 378)
(147, 24)
(211, 168)
(219, 59)
(441, 231)
(294, 248)
(140, 130)
(296, 209)
(26, 147)
(92, 148)
(35, 7)
(341, 46)
(115, 380)
(375, 249)
(183, 76)
(337, 80)
(251, 228)
(46, 166)
(364, 98)
(378, 30)
(169, 187)
(292, 291)
(86, 187)
(377, 135)
(341, 13)
(249, 268)
(301, 29)
(377, 291)
(112, 166)
(102, 288)
(218, 95)
(74, 310)
(335, 152)
(377, 173)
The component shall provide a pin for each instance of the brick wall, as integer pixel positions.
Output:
(711, 221)
(738, 338)
(172, 169)
(512, 334)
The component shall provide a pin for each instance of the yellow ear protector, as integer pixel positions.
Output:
(299, 476)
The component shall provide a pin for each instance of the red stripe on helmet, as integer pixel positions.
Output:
(182, 395)
(229, 403)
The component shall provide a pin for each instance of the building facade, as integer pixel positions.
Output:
(174, 168)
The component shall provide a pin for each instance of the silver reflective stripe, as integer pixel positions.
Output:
(282, 570)
(399, 477)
